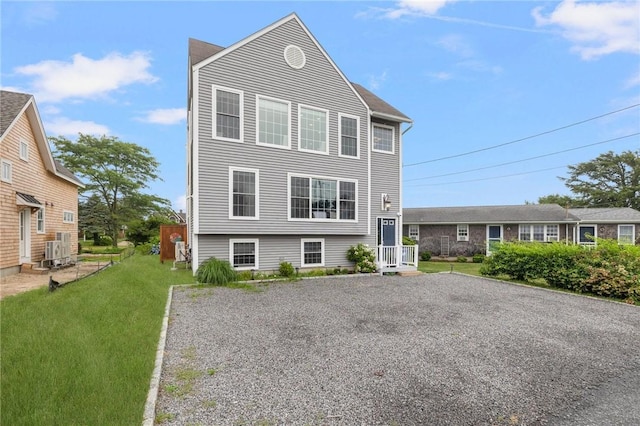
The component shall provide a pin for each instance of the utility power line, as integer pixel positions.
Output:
(488, 178)
(521, 139)
(525, 159)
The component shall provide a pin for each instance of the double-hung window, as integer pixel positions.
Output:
(68, 216)
(313, 129)
(274, 122)
(243, 193)
(40, 221)
(414, 232)
(626, 234)
(318, 198)
(6, 171)
(228, 114)
(541, 233)
(349, 136)
(383, 138)
(463, 232)
(244, 253)
(24, 150)
(312, 252)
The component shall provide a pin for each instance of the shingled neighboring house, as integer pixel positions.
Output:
(38, 195)
(287, 159)
(619, 223)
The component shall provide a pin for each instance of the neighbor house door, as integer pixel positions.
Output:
(494, 237)
(24, 230)
(587, 234)
(386, 231)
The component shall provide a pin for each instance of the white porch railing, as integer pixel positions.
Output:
(405, 257)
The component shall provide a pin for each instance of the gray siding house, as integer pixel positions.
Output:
(619, 223)
(287, 159)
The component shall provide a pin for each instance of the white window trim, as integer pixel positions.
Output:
(310, 219)
(214, 106)
(326, 130)
(24, 144)
(311, 240)
(464, 237)
(417, 228)
(73, 216)
(633, 232)
(545, 232)
(256, 243)
(340, 154)
(257, 174)
(393, 138)
(595, 232)
(8, 179)
(43, 230)
(288, 146)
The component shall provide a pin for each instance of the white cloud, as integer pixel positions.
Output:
(66, 127)
(596, 29)
(440, 76)
(85, 78)
(416, 8)
(456, 44)
(165, 116)
(180, 203)
(40, 13)
(375, 81)
(633, 81)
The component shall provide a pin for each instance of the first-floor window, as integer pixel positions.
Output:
(626, 234)
(40, 221)
(414, 232)
(313, 252)
(67, 216)
(320, 198)
(540, 233)
(244, 254)
(463, 232)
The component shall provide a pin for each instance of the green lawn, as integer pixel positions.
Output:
(465, 268)
(85, 353)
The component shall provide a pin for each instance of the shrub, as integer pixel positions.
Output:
(286, 269)
(425, 256)
(104, 240)
(244, 276)
(216, 271)
(364, 258)
(144, 248)
(461, 259)
(408, 241)
(478, 258)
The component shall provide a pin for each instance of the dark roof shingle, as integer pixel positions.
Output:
(488, 214)
(11, 103)
(606, 214)
(201, 50)
(378, 105)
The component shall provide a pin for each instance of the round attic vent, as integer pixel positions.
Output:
(294, 56)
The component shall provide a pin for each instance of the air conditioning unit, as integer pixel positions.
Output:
(53, 250)
(180, 251)
(65, 240)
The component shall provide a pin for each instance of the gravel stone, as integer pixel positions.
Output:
(437, 349)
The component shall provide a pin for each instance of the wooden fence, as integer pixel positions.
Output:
(167, 248)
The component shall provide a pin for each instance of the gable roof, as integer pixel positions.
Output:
(606, 214)
(202, 53)
(528, 213)
(12, 106)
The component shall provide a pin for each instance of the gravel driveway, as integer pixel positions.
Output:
(438, 349)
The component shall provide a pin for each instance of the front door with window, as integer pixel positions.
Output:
(24, 230)
(494, 237)
(386, 231)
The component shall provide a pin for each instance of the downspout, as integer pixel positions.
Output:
(400, 216)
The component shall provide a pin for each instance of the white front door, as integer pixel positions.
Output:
(494, 237)
(24, 229)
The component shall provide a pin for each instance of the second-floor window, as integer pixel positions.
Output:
(313, 130)
(349, 136)
(244, 193)
(6, 170)
(322, 198)
(228, 114)
(273, 122)
(383, 138)
(24, 150)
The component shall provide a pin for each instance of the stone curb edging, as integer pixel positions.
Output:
(152, 396)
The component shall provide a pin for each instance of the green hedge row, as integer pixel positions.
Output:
(609, 269)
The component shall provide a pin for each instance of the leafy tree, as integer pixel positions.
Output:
(610, 180)
(116, 172)
(141, 231)
(92, 217)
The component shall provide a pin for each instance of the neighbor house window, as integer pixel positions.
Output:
(626, 234)
(6, 171)
(68, 216)
(414, 232)
(243, 193)
(349, 135)
(539, 233)
(24, 150)
(244, 253)
(40, 221)
(313, 128)
(227, 110)
(463, 232)
(322, 198)
(312, 252)
(273, 122)
(382, 138)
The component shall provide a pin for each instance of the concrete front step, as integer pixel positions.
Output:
(30, 268)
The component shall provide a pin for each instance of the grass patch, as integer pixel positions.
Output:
(85, 353)
(464, 268)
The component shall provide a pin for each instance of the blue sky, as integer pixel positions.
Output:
(471, 74)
